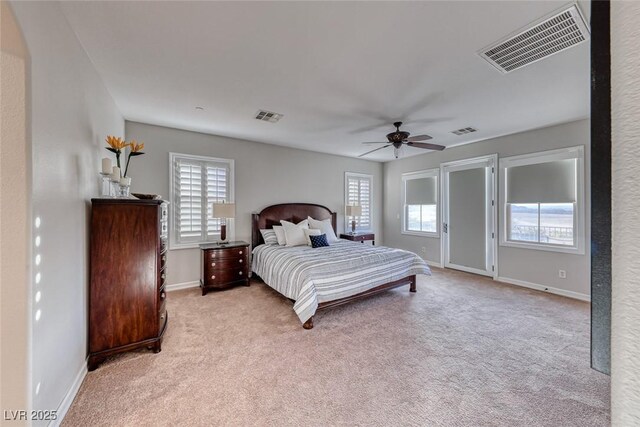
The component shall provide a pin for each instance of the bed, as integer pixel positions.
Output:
(316, 279)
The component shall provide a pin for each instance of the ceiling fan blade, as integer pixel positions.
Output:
(369, 152)
(419, 138)
(426, 146)
(385, 142)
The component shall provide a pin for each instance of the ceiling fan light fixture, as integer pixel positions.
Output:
(398, 151)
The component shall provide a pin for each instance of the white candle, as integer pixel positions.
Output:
(125, 180)
(106, 165)
(115, 174)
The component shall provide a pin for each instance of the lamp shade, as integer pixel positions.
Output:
(354, 210)
(224, 210)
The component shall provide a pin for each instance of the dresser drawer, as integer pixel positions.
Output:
(227, 253)
(162, 296)
(162, 278)
(162, 260)
(220, 278)
(162, 317)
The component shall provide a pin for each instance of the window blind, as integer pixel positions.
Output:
(197, 184)
(359, 193)
(548, 182)
(421, 191)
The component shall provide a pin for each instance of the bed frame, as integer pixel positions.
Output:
(296, 212)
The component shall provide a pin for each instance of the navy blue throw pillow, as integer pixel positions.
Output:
(318, 241)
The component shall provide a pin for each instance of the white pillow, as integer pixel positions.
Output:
(295, 232)
(282, 239)
(325, 227)
(308, 232)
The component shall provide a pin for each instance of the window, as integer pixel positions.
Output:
(358, 191)
(420, 203)
(197, 182)
(543, 200)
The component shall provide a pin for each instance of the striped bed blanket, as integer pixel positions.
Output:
(313, 276)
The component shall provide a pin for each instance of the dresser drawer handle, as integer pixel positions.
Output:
(240, 273)
(241, 261)
(213, 264)
(163, 295)
(213, 277)
(239, 252)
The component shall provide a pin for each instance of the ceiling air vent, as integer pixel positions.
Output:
(553, 34)
(268, 116)
(463, 131)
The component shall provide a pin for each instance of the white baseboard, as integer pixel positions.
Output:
(183, 285)
(433, 263)
(551, 290)
(64, 406)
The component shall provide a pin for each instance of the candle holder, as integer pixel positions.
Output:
(105, 187)
(114, 187)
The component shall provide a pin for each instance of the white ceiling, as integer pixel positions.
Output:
(340, 72)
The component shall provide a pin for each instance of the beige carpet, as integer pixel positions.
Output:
(463, 351)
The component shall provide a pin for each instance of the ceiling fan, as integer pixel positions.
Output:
(399, 138)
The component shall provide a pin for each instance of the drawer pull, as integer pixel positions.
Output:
(240, 273)
(240, 252)
(213, 264)
(213, 277)
(240, 261)
(163, 295)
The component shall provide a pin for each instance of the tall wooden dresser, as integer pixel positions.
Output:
(127, 298)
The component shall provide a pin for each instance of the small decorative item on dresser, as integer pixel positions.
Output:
(224, 266)
(360, 237)
(354, 211)
(223, 211)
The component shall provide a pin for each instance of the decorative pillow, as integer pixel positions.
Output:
(282, 239)
(310, 232)
(269, 237)
(295, 232)
(325, 227)
(319, 241)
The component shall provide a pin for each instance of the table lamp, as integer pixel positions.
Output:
(354, 211)
(223, 211)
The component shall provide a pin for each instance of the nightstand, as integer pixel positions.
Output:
(224, 266)
(360, 237)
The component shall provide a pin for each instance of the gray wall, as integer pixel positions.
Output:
(264, 175)
(525, 265)
(72, 112)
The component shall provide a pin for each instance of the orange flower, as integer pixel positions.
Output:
(116, 143)
(135, 147)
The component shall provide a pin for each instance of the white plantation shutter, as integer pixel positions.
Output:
(197, 183)
(358, 192)
(217, 191)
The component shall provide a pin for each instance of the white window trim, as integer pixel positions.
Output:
(173, 244)
(347, 224)
(576, 152)
(428, 173)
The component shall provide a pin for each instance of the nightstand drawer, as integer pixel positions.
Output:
(227, 253)
(227, 263)
(223, 277)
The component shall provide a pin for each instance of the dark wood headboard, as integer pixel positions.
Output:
(292, 212)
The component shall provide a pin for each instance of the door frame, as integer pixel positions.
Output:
(491, 209)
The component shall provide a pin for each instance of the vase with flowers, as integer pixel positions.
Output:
(122, 182)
